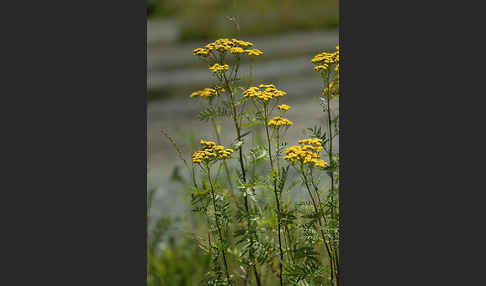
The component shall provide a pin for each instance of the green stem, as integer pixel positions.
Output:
(243, 174)
(217, 225)
(225, 166)
(331, 162)
(275, 192)
(318, 214)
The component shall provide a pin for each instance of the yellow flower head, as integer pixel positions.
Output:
(241, 43)
(327, 58)
(210, 152)
(207, 143)
(237, 51)
(254, 52)
(306, 153)
(234, 46)
(264, 92)
(333, 88)
(201, 52)
(311, 141)
(220, 45)
(218, 68)
(279, 121)
(205, 93)
(322, 67)
(320, 163)
(283, 107)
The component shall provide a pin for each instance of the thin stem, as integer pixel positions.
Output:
(277, 156)
(275, 192)
(331, 160)
(225, 166)
(319, 221)
(209, 236)
(329, 125)
(243, 173)
(217, 225)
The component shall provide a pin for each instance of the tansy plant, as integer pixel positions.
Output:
(255, 232)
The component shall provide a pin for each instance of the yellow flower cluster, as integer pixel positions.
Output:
(311, 141)
(237, 50)
(264, 92)
(279, 121)
(321, 67)
(220, 45)
(234, 46)
(324, 59)
(307, 152)
(201, 52)
(210, 152)
(333, 87)
(207, 92)
(254, 52)
(219, 68)
(283, 107)
(242, 43)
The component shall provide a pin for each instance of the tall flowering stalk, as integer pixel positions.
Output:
(327, 64)
(205, 159)
(215, 55)
(262, 96)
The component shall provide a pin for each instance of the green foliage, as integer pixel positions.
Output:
(212, 112)
(172, 259)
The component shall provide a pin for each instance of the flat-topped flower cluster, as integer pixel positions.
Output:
(211, 152)
(219, 68)
(234, 46)
(324, 59)
(208, 92)
(264, 92)
(308, 152)
(279, 121)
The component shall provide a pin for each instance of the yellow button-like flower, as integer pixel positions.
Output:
(327, 58)
(223, 45)
(322, 67)
(201, 52)
(237, 51)
(205, 93)
(308, 152)
(210, 152)
(219, 68)
(279, 121)
(311, 141)
(283, 107)
(264, 92)
(241, 43)
(254, 52)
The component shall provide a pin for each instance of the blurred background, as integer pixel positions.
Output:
(289, 32)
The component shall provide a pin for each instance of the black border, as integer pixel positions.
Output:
(76, 165)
